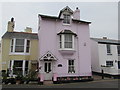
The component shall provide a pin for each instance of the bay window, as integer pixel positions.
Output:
(66, 41)
(20, 46)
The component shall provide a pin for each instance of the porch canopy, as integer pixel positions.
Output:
(48, 57)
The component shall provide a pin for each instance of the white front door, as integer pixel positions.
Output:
(48, 70)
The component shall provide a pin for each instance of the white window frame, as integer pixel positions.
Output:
(71, 66)
(118, 50)
(109, 65)
(63, 42)
(25, 46)
(109, 48)
(64, 23)
(23, 66)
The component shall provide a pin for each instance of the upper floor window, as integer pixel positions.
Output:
(118, 49)
(109, 63)
(66, 18)
(108, 48)
(71, 66)
(20, 45)
(118, 64)
(66, 41)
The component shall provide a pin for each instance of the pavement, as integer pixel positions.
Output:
(98, 82)
(97, 77)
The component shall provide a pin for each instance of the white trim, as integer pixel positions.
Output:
(48, 57)
(25, 45)
(73, 42)
(66, 24)
(23, 67)
(63, 43)
(19, 53)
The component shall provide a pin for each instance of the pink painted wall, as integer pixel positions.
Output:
(49, 41)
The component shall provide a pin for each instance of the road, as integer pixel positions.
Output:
(111, 83)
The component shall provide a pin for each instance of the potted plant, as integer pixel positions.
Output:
(19, 79)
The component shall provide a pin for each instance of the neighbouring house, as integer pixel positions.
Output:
(64, 47)
(19, 50)
(104, 54)
(0, 58)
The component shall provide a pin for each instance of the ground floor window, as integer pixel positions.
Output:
(109, 63)
(71, 66)
(118, 64)
(19, 67)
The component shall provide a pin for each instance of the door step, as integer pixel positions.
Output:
(48, 82)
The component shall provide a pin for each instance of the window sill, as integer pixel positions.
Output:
(66, 24)
(19, 54)
(109, 53)
(67, 51)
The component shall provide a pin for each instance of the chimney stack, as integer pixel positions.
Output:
(11, 24)
(28, 29)
(104, 37)
(76, 14)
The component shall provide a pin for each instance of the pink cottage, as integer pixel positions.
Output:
(64, 47)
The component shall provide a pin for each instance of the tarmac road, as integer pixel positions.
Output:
(110, 83)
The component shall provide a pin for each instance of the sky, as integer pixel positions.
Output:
(103, 15)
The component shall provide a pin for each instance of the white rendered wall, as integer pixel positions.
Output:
(95, 56)
(103, 57)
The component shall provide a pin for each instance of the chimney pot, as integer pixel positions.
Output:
(12, 19)
(104, 37)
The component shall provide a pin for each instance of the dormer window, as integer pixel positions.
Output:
(66, 18)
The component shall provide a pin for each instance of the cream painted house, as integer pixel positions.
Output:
(19, 50)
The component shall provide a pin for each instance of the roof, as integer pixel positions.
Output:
(20, 35)
(65, 9)
(58, 18)
(67, 32)
(106, 41)
(50, 17)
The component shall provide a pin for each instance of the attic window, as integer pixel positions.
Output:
(66, 18)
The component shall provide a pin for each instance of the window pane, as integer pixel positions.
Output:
(19, 49)
(71, 66)
(20, 42)
(108, 48)
(66, 19)
(118, 64)
(118, 49)
(18, 63)
(28, 46)
(68, 41)
(45, 67)
(12, 42)
(12, 45)
(109, 63)
(49, 67)
(26, 64)
(11, 48)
